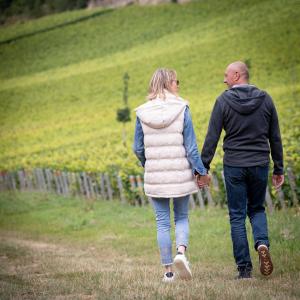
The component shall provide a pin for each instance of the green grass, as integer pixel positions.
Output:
(60, 89)
(65, 247)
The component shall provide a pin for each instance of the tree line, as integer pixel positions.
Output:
(13, 10)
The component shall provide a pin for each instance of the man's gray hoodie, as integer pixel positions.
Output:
(250, 121)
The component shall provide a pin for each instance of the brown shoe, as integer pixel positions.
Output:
(265, 262)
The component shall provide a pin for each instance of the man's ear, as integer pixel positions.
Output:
(237, 76)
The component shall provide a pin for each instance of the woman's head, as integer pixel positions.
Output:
(163, 79)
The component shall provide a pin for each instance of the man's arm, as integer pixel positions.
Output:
(138, 146)
(213, 135)
(276, 149)
(275, 142)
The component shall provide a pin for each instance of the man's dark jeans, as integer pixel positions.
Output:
(246, 191)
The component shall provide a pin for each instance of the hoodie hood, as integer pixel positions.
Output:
(160, 113)
(244, 99)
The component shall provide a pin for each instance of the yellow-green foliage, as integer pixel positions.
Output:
(60, 88)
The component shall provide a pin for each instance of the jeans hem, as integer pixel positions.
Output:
(258, 243)
(182, 244)
(247, 266)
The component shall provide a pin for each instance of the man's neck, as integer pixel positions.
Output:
(240, 84)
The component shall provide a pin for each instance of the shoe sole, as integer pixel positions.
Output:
(243, 278)
(168, 281)
(265, 262)
(182, 270)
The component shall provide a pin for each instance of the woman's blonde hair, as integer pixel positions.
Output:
(161, 80)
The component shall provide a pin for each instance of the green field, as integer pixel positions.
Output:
(61, 82)
(65, 248)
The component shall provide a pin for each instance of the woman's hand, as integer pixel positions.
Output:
(203, 180)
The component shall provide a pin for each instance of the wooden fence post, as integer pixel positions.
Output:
(95, 185)
(49, 177)
(293, 186)
(85, 185)
(216, 188)
(108, 185)
(133, 187)
(210, 201)
(200, 199)
(280, 197)
(13, 181)
(81, 189)
(6, 181)
(102, 186)
(215, 182)
(43, 180)
(192, 202)
(223, 178)
(2, 181)
(73, 184)
(65, 183)
(38, 180)
(61, 183)
(140, 189)
(22, 183)
(57, 185)
(120, 186)
(90, 185)
(269, 201)
(29, 180)
(5, 187)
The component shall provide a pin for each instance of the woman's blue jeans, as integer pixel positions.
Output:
(181, 213)
(246, 192)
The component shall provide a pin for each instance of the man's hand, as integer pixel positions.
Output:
(203, 180)
(277, 181)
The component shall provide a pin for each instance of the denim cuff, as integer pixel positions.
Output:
(200, 172)
(166, 256)
(261, 242)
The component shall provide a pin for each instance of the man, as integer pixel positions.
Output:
(250, 121)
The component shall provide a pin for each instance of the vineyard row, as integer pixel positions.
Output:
(102, 186)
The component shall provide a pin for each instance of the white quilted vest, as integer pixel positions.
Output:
(167, 171)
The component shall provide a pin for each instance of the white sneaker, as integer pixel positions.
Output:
(168, 279)
(182, 267)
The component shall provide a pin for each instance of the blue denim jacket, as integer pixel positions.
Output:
(189, 142)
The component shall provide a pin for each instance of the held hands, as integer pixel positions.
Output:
(277, 181)
(203, 180)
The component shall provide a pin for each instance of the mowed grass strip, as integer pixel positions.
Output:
(54, 247)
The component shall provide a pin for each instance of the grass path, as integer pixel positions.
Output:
(57, 248)
(40, 270)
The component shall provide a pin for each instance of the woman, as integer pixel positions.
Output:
(165, 144)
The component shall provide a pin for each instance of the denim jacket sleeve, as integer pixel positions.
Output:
(190, 145)
(138, 145)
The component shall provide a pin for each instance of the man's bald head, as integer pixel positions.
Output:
(236, 73)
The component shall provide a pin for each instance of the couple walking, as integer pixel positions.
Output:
(165, 143)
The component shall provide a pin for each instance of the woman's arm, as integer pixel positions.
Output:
(190, 144)
(138, 146)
